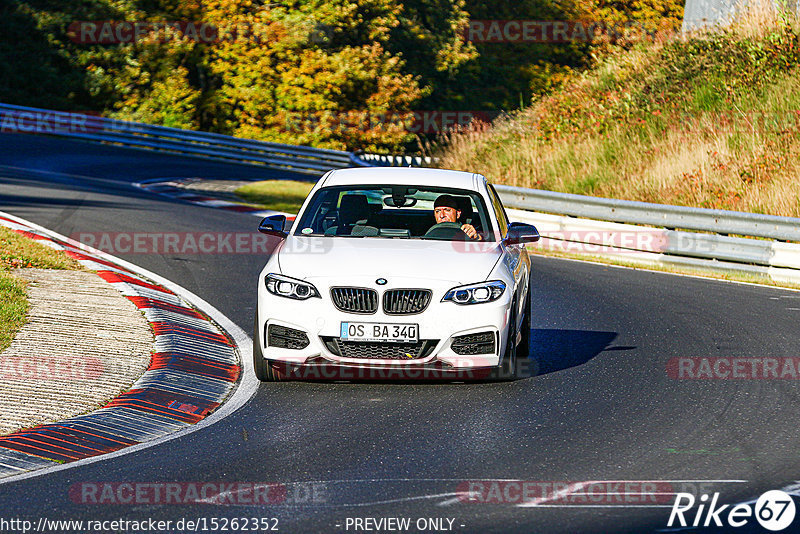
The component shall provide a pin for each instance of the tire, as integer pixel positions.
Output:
(517, 362)
(525, 362)
(264, 371)
(507, 370)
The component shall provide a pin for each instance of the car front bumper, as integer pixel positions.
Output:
(439, 324)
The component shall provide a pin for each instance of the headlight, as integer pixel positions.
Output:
(476, 293)
(291, 288)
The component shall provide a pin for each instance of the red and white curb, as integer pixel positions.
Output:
(172, 188)
(200, 372)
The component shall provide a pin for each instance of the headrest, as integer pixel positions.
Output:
(353, 208)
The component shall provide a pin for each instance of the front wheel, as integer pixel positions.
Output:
(507, 370)
(525, 362)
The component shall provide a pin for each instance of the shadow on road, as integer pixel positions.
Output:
(556, 349)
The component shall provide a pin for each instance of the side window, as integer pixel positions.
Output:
(499, 211)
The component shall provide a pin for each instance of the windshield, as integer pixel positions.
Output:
(394, 211)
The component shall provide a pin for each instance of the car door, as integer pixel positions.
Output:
(514, 256)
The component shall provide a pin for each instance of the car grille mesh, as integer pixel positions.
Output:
(368, 350)
(355, 299)
(286, 338)
(480, 343)
(406, 301)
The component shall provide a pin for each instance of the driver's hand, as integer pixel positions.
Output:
(471, 232)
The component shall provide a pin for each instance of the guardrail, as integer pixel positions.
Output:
(362, 159)
(605, 227)
(174, 140)
(626, 211)
(661, 246)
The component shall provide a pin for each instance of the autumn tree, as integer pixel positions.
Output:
(329, 73)
(311, 73)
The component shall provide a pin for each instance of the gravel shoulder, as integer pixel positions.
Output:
(84, 343)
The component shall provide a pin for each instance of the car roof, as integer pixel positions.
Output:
(403, 176)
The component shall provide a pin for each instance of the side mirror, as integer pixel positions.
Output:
(519, 233)
(273, 225)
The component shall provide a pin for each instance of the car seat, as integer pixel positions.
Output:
(354, 211)
(467, 214)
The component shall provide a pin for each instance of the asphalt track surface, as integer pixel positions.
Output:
(604, 407)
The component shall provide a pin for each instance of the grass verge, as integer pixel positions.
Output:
(278, 195)
(17, 251)
(13, 307)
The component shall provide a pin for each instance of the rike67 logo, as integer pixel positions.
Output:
(774, 510)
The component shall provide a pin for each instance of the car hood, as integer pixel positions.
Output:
(352, 257)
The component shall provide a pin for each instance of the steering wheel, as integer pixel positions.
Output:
(446, 231)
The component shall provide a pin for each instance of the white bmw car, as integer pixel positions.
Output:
(395, 273)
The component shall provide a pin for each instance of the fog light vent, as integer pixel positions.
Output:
(286, 338)
(471, 344)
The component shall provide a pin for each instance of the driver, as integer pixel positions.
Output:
(445, 209)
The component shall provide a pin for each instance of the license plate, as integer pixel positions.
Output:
(380, 332)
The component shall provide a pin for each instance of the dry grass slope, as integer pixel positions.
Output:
(709, 120)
